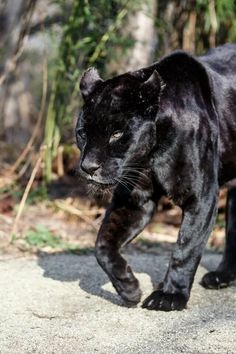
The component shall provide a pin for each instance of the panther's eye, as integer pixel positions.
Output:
(81, 134)
(115, 136)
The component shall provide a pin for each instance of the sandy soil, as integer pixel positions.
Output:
(63, 303)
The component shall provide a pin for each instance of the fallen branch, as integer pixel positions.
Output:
(74, 211)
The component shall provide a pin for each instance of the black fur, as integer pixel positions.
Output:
(168, 129)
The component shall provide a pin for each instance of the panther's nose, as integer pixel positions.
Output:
(90, 167)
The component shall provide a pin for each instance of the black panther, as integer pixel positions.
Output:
(167, 129)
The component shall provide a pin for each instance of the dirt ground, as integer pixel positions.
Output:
(64, 303)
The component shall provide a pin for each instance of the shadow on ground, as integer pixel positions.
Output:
(67, 267)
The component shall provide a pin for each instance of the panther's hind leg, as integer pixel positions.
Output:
(226, 271)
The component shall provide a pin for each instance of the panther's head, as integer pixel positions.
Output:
(116, 126)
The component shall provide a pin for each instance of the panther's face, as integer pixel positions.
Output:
(116, 127)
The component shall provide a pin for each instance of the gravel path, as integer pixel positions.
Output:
(65, 304)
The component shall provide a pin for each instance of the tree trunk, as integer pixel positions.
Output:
(140, 28)
(10, 14)
(143, 32)
(16, 16)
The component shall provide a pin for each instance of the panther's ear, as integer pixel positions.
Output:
(89, 81)
(152, 87)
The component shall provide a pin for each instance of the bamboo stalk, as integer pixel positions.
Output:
(214, 23)
(106, 36)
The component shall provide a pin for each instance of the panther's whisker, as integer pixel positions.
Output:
(138, 173)
(133, 181)
(130, 182)
(137, 177)
(122, 183)
(130, 177)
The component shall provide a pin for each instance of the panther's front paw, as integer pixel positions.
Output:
(159, 300)
(129, 292)
(132, 298)
(216, 280)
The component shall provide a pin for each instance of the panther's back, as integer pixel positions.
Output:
(221, 66)
(222, 60)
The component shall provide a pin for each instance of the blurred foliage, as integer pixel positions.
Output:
(225, 17)
(36, 195)
(213, 22)
(41, 237)
(89, 37)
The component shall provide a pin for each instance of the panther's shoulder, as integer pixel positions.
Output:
(188, 84)
(221, 59)
(170, 66)
(181, 66)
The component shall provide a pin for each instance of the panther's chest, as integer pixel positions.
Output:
(227, 170)
(174, 178)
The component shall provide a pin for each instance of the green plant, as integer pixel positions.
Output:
(38, 194)
(41, 237)
(207, 23)
(220, 221)
(219, 14)
(89, 38)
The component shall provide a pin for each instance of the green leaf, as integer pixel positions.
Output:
(42, 237)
